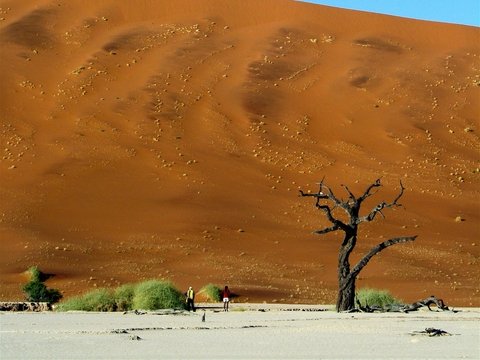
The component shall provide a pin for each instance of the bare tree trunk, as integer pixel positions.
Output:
(346, 283)
(346, 296)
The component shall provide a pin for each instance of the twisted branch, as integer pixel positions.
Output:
(351, 196)
(327, 230)
(337, 224)
(375, 250)
(378, 209)
(367, 192)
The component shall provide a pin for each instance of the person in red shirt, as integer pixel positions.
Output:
(226, 298)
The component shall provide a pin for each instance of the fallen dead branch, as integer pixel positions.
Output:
(427, 302)
(431, 332)
(432, 300)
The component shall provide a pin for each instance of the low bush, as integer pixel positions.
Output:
(157, 294)
(96, 300)
(124, 297)
(38, 292)
(35, 274)
(211, 292)
(148, 295)
(375, 297)
(35, 290)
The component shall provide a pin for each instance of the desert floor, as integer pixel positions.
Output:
(248, 331)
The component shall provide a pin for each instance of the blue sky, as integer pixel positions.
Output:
(465, 12)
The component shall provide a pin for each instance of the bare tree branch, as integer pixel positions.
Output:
(381, 206)
(327, 230)
(402, 188)
(333, 220)
(367, 192)
(330, 194)
(352, 197)
(325, 193)
(426, 302)
(325, 208)
(340, 203)
(319, 195)
(375, 250)
(328, 212)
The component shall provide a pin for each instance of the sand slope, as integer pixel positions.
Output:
(169, 139)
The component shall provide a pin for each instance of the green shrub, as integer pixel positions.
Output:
(74, 303)
(212, 292)
(124, 297)
(35, 289)
(35, 274)
(96, 300)
(157, 294)
(375, 297)
(148, 295)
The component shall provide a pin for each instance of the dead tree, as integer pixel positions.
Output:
(326, 201)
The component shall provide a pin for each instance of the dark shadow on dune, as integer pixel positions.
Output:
(360, 81)
(129, 40)
(31, 30)
(378, 44)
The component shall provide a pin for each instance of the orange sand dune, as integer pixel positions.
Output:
(169, 139)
